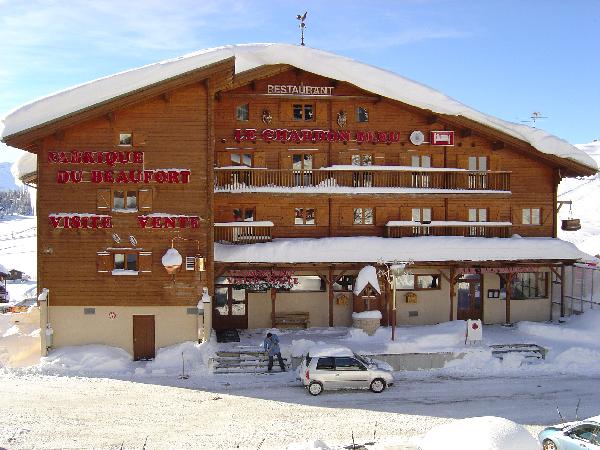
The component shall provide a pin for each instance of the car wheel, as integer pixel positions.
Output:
(315, 388)
(377, 385)
(549, 445)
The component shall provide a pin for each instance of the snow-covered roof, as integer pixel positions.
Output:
(25, 165)
(366, 275)
(371, 249)
(251, 56)
(3, 270)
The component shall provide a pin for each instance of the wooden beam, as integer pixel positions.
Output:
(330, 293)
(452, 275)
(443, 275)
(555, 272)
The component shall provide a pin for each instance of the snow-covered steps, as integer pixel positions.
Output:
(243, 361)
(527, 351)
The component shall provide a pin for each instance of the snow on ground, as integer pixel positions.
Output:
(586, 207)
(18, 244)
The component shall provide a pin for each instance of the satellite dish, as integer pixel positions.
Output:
(417, 137)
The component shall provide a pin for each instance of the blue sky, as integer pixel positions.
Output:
(507, 58)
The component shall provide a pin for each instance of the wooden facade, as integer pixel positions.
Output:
(192, 128)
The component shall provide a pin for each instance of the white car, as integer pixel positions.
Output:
(329, 367)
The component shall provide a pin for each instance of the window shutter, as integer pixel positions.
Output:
(145, 199)
(139, 138)
(103, 202)
(322, 113)
(224, 159)
(104, 262)
(259, 159)
(346, 216)
(379, 159)
(386, 213)
(285, 161)
(145, 262)
(320, 160)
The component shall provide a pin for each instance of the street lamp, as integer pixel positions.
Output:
(390, 271)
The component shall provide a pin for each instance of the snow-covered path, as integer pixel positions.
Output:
(236, 412)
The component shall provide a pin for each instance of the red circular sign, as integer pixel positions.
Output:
(474, 326)
(112, 315)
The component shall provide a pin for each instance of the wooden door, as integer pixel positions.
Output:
(143, 337)
(370, 300)
(470, 305)
(230, 308)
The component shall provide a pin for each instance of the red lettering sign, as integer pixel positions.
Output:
(168, 221)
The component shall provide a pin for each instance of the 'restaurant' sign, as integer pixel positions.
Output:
(292, 89)
(445, 138)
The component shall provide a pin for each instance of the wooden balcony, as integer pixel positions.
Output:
(242, 232)
(372, 178)
(398, 229)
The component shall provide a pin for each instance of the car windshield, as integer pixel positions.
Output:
(362, 359)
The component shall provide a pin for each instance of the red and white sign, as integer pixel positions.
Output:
(445, 138)
(112, 315)
(169, 221)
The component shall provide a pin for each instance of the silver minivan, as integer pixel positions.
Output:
(335, 367)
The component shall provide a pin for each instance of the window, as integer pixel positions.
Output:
(477, 215)
(477, 162)
(526, 285)
(531, 216)
(304, 216)
(421, 179)
(363, 159)
(346, 363)
(303, 112)
(309, 283)
(241, 159)
(414, 282)
(344, 283)
(362, 115)
(326, 363)
(302, 164)
(363, 216)
(125, 201)
(421, 215)
(125, 261)
(587, 433)
(243, 214)
(242, 112)
(125, 139)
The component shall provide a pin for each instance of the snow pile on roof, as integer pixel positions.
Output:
(251, 56)
(3, 270)
(171, 258)
(25, 165)
(367, 275)
(479, 433)
(324, 350)
(373, 249)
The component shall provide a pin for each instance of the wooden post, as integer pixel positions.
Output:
(508, 289)
(273, 297)
(452, 280)
(330, 281)
(562, 291)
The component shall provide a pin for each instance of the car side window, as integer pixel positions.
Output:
(345, 363)
(325, 364)
(584, 432)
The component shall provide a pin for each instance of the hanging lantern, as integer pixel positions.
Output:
(172, 260)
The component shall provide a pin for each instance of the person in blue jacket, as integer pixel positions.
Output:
(271, 345)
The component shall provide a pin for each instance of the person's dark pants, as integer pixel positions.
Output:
(280, 359)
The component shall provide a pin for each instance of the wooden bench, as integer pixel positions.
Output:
(292, 320)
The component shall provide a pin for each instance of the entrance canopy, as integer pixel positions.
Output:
(416, 249)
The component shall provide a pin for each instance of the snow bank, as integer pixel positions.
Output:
(251, 56)
(425, 248)
(93, 359)
(479, 433)
(20, 338)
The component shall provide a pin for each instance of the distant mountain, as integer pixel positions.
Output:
(585, 194)
(7, 181)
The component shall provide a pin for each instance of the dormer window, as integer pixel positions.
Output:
(242, 112)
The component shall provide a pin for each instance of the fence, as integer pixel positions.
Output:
(581, 290)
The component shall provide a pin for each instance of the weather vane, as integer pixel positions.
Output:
(302, 26)
(536, 115)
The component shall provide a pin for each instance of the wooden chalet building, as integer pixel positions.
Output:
(275, 173)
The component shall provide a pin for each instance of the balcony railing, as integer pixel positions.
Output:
(373, 178)
(243, 232)
(398, 229)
